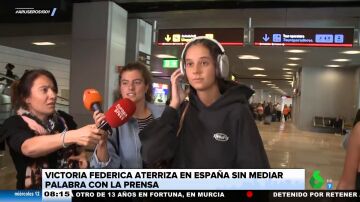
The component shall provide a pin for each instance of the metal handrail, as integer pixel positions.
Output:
(65, 99)
(4, 75)
(62, 104)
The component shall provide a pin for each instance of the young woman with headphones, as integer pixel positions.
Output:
(215, 129)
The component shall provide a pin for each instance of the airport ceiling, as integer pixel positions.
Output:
(19, 31)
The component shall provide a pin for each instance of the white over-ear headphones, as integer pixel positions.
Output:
(222, 63)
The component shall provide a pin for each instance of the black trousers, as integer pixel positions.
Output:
(2, 146)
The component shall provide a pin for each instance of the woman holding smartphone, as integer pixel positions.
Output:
(215, 129)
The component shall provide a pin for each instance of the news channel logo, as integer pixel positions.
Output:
(317, 181)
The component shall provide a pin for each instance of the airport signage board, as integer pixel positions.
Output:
(226, 36)
(170, 63)
(310, 37)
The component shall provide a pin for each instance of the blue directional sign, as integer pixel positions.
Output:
(339, 38)
(276, 37)
(266, 38)
(315, 37)
(324, 38)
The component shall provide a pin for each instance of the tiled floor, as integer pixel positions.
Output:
(292, 148)
(7, 172)
(287, 148)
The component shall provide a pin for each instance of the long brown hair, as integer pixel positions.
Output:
(145, 74)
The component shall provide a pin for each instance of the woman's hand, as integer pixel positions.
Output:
(178, 94)
(98, 117)
(88, 135)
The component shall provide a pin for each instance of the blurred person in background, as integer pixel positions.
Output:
(9, 73)
(290, 111)
(267, 113)
(278, 111)
(286, 112)
(260, 111)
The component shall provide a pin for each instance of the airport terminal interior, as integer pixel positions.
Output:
(300, 55)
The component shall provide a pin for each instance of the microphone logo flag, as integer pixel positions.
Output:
(120, 112)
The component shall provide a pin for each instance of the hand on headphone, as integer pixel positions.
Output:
(178, 94)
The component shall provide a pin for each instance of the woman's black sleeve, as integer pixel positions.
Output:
(158, 139)
(16, 131)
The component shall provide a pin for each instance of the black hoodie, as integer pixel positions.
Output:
(223, 135)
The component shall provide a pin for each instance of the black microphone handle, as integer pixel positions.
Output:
(106, 127)
(96, 107)
(103, 125)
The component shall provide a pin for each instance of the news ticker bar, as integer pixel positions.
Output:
(180, 195)
(173, 179)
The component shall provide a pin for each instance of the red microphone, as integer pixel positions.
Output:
(120, 112)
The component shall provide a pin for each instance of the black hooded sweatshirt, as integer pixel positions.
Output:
(223, 135)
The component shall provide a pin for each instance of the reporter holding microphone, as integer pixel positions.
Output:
(122, 148)
(38, 136)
